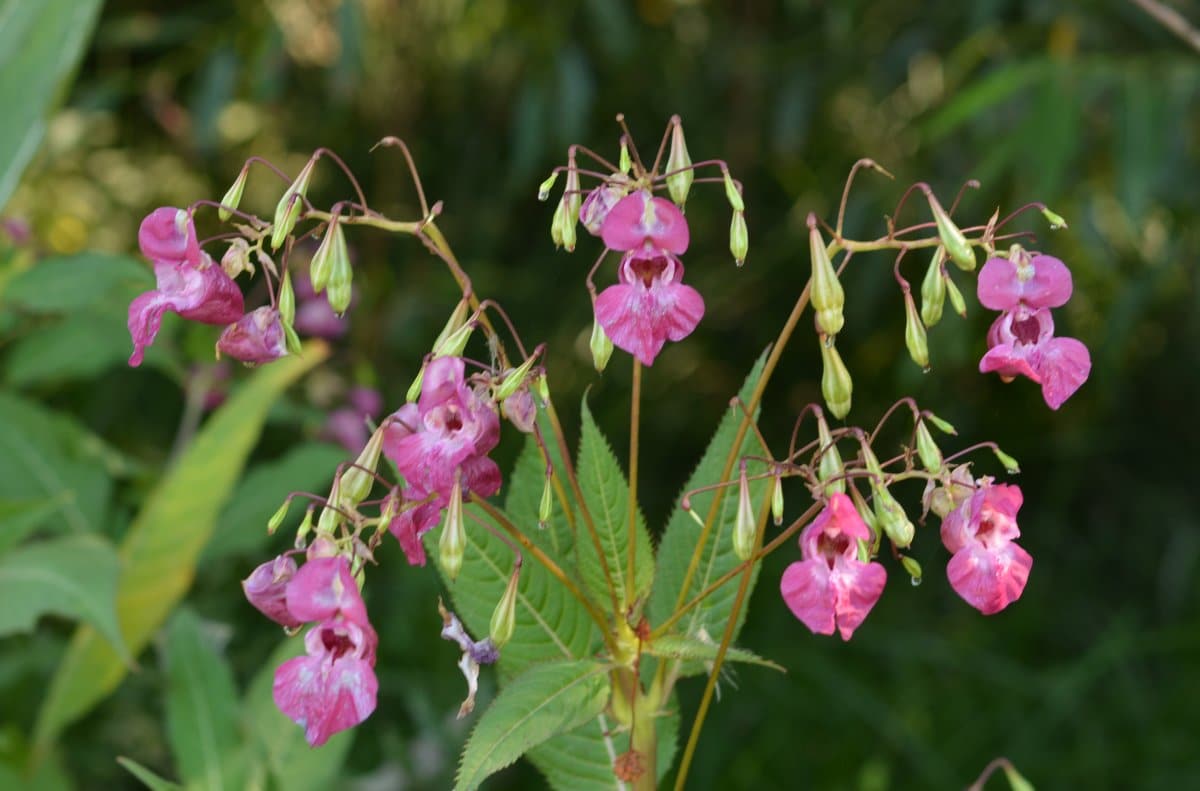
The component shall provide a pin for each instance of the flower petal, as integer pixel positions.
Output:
(1063, 365)
(857, 587)
(1008, 360)
(807, 591)
(641, 320)
(989, 580)
(323, 588)
(256, 337)
(639, 218)
(323, 696)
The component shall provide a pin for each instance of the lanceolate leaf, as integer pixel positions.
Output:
(161, 547)
(674, 646)
(75, 576)
(717, 557)
(607, 496)
(202, 708)
(546, 700)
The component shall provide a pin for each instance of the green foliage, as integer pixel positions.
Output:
(675, 646)
(73, 576)
(717, 557)
(160, 550)
(606, 494)
(148, 778)
(202, 708)
(40, 43)
(546, 700)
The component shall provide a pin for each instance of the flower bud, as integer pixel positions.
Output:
(826, 291)
(330, 517)
(1055, 220)
(956, 298)
(625, 163)
(914, 333)
(829, 466)
(266, 589)
(571, 200)
(287, 299)
(836, 384)
(556, 223)
(546, 504)
(414, 389)
(744, 529)
(1009, 462)
(233, 196)
(928, 450)
(306, 526)
(913, 568)
(547, 185)
(933, 290)
(287, 211)
(679, 165)
(453, 543)
(458, 317)
(732, 194)
(237, 258)
(739, 238)
(542, 387)
(601, 346)
(332, 247)
(357, 481)
(891, 517)
(341, 275)
(455, 342)
(277, 518)
(504, 617)
(959, 250)
(942, 425)
(777, 501)
(513, 380)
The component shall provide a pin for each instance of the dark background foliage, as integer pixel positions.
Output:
(1089, 681)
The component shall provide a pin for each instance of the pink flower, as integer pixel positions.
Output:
(988, 570)
(650, 305)
(189, 283)
(446, 434)
(324, 588)
(598, 203)
(256, 337)
(1021, 342)
(333, 687)
(831, 586)
(639, 219)
(1040, 281)
(266, 589)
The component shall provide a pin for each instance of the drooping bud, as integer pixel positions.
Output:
(679, 165)
(942, 425)
(956, 298)
(453, 543)
(277, 518)
(625, 163)
(928, 450)
(830, 465)
(306, 526)
(732, 193)
(777, 501)
(514, 379)
(913, 568)
(266, 589)
(287, 299)
(547, 185)
(826, 292)
(739, 238)
(891, 517)
(332, 247)
(1010, 464)
(556, 224)
(601, 346)
(233, 196)
(744, 529)
(571, 199)
(933, 290)
(836, 384)
(1056, 221)
(915, 338)
(287, 211)
(357, 481)
(341, 276)
(520, 409)
(546, 504)
(953, 239)
(504, 617)
(237, 258)
(458, 317)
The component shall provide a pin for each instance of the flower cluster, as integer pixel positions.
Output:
(1021, 341)
(333, 686)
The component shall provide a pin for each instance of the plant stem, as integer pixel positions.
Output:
(634, 421)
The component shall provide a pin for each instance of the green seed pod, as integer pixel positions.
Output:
(287, 299)
(953, 239)
(913, 568)
(504, 617)
(1009, 462)
(547, 185)
(739, 238)
(826, 292)
(928, 450)
(556, 224)
(625, 164)
(357, 481)
(914, 333)
(1055, 220)
(956, 298)
(332, 246)
(601, 346)
(744, 528)
(933, 290)
(777, 501)
(679, 165)
(233, 196)
(836, 384)
(732, 194)
(546, 504)
(277, 518)
(892, 519)
(830, 465)
(453, 543)
(287, 211)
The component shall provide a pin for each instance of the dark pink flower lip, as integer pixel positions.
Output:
(650, 305)
(988, 569)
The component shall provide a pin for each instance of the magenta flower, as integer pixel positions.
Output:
(1021, 341)
(598, 203)
(324, 588)
(266, 589)
(333, 687)
(988, 570)
(256, 337)
(650, 305)
(446, 435)
(831, 586)
(189, 283)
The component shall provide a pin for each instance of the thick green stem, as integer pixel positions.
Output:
(634, 422)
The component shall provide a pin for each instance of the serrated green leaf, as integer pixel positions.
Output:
(41, 41)
(676, 646)
(242, 528)
(718, 557)
(607, 496)
(546, 700)
(161, 547)
(72, 576)
(279, 743)
(202, 708)
(101, 282)
(149, 779)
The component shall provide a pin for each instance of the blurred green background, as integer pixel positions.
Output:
(1091, 680)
